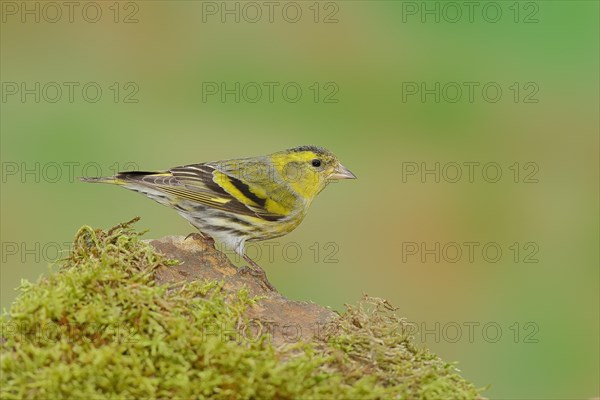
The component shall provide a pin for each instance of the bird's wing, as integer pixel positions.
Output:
(207, 185)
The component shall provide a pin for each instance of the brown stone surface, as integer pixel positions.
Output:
(286, 320)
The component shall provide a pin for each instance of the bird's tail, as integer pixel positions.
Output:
(103, 179)
(123, 178)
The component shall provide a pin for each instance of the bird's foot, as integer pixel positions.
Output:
(200, 237)
(257, 273)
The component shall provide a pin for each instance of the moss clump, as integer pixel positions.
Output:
(101, 327)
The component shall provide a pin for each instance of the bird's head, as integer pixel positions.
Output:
(308, 169)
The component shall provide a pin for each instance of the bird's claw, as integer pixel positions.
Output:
(200, 237)
(260, 274)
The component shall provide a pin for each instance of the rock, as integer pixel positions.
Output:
(283, 319)
(174, 318)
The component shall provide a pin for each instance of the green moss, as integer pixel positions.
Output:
(100, 327)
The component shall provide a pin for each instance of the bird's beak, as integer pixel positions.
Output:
(341, 172)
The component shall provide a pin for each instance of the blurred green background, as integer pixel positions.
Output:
(528, 329)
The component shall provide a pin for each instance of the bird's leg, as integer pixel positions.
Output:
(257, 271)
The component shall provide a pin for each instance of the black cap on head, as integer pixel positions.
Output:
(314, 149)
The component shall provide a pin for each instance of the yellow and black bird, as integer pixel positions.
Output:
(239, 200)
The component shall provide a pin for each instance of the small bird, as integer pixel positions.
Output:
(239, 200)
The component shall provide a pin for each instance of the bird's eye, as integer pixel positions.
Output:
(316, 163)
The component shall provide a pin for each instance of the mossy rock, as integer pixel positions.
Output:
(103, 326)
